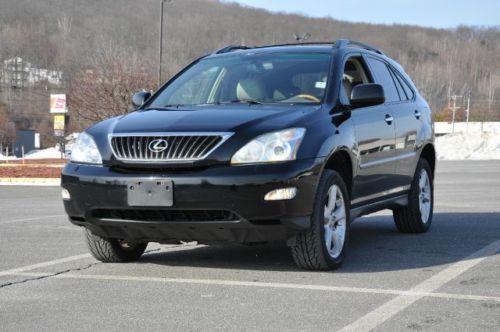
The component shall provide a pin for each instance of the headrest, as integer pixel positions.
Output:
(250, 89)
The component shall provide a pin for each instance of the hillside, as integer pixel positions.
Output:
(72, 35)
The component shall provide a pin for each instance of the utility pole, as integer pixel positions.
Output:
(491, 95)
(160, 41)
(467, 112)
(454, 110)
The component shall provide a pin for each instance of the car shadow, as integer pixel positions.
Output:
(375, 246)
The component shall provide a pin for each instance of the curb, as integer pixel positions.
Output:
(30, 182)
(31, 165)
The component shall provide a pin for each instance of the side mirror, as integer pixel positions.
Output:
(369, 94)
(140, 97)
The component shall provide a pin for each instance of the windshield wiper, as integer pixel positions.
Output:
(244, 101)
(175, 105)
(163, 108)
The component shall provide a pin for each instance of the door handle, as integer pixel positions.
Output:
(418, 114)
(389, 119)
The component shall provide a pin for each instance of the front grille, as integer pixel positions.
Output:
(176, 147)
(165, 215)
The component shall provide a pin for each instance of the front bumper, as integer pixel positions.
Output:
(238, 190)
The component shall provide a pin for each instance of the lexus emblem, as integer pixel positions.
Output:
(158, 145)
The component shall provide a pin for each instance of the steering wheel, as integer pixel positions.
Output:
(307, 97)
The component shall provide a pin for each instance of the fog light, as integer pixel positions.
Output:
(281, 194)
(65, 195)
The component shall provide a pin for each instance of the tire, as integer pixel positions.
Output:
(310, 250)
(416, 217)
(113, 250)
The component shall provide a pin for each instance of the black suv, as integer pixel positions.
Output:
(250, 145)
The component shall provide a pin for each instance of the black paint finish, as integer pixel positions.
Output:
(383, 143)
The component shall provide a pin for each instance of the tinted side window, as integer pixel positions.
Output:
(383, 77)
(354, 74)
(399, 86)
(406, 86)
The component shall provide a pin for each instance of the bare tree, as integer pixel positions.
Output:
(105, 87)
(7, 128)
(459, 60)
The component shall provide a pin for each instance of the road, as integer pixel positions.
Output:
(446, 280)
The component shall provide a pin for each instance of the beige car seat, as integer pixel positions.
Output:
(250, 89)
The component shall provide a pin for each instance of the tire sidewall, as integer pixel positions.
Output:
(110, 251)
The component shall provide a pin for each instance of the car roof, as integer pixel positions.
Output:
(309, 48)
(318, 47)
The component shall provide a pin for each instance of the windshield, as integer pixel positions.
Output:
(250, 78)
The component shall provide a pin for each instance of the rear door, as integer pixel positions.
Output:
(375, 137)
(408, 123)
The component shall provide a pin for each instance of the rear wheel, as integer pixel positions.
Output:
(416, 217)
(322, 247)
(113, 250)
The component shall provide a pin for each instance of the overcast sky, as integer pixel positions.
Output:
(434, 13)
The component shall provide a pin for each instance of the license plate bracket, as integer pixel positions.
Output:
(155, 192)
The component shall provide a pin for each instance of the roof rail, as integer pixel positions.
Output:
(230, 48)
(340, 43)
(312, 43)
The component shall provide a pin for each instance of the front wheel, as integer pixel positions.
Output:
(113, 250)
(416, 217)
(322, 247)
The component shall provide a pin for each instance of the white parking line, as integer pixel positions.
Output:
(379, 291)
(366, 323)
(43, 264)
(22, 269)
(400, 303)
(31, 219)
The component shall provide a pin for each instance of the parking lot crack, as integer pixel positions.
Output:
(51, 275)
(46, 276)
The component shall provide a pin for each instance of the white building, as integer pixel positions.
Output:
(17, 72)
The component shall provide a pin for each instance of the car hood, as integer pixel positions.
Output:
(245, 121)
(209, 119)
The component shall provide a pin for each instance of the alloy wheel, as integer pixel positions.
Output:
(424, 196)
(334, 222)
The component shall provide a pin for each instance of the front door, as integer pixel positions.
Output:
(374, 135)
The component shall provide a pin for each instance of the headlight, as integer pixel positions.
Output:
(85, 150)
(276, 146)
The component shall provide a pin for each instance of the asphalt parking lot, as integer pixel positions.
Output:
(446, 279)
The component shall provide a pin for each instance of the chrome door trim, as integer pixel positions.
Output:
(388, 160)
(381, 194)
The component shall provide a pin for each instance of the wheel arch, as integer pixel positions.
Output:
(341, 162)
(429, 154)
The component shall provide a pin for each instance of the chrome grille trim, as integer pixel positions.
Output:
(182, 146)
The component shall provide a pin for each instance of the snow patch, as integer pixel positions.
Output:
(50, 153)
(469, 146)
(2, 157)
